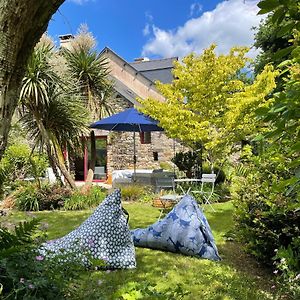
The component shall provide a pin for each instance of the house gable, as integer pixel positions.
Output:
(129, 82)
(132, 81)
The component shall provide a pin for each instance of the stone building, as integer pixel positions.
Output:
(115, 149)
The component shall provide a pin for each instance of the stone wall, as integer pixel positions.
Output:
(120, 147)
(120, 151)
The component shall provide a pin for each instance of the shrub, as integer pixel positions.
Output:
(76, 202)
(166, 166)
(24, 273)
(33, 197)
(287, 262)
(27, 198)
(148, 197)
(53, 197)
(267, 213)
(265, 218)
(223, 191)
(79, 200)
(8, 202)
(17, 163)
(133, 192)
(190, 163)
(187, 162)
(266, 227)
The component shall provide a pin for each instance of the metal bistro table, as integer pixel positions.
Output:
(206, 179)
(180, 181)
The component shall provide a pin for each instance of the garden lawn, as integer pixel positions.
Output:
(237, 276)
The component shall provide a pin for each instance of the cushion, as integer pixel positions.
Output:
(104, 235)
(184, 229)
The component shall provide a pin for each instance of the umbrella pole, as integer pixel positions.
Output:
(134, 158)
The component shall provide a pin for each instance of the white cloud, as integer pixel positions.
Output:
(228, 25)
(149, 16)
(147, 29)
(195, 9)
(149, 22)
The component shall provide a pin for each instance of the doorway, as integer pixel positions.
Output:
(82, 164)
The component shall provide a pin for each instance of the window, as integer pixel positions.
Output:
(145, 137)
(155, 156)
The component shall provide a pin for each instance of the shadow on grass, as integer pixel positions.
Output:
(204, 279)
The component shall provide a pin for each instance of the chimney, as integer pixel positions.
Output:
(65, 40)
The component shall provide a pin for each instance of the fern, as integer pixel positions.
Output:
(22, 235)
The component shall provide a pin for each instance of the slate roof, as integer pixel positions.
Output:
(158, 69)
(123, 90)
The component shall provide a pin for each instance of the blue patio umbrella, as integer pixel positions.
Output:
(128, 120)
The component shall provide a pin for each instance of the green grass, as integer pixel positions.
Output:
(237, 276)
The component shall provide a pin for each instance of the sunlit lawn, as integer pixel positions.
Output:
(237, 276)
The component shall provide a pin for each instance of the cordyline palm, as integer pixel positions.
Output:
(51, 117)
(89, 71)
(39, 79)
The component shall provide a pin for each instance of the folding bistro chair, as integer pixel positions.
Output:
(207, 179)
(165, 181)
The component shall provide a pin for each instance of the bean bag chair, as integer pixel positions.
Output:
(104, 235)
(184, 230)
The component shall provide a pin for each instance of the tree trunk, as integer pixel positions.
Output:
(22, 23)
(53, 166)
(61, 165)
(54, 151)
(66, 174)
(63, 169)
(90, 175)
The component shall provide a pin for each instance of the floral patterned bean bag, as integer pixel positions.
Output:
(104, 235)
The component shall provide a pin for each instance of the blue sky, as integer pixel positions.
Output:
(165, 28)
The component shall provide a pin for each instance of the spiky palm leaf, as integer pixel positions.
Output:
(105, 108)
(89, 70)
(64, 118)
(39, 78)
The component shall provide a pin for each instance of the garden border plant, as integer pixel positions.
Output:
(24, 273)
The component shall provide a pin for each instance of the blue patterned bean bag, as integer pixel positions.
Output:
(104, 235)
(185, 229)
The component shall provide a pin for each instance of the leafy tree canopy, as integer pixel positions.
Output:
(207, 103)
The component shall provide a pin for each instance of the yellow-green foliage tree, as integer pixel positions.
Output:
(207, 103)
